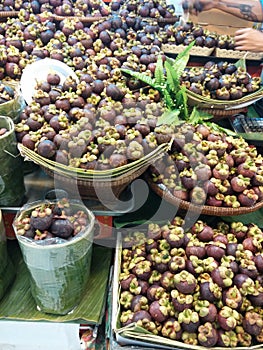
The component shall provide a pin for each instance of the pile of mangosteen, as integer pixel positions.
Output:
(188, 32)
(207, 166)
(50, 220)
(220, 81)
(200, 286)
(149, 8)
(80, 8)
(62, 124)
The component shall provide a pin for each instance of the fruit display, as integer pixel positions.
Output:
(149, 8)
(189, 31)
(85, 48)
(205, 166)
(50, 220)
(197, 286)
(220, 81)
(79, 8)
(61, 124)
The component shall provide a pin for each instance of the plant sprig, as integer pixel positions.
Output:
(166, 80)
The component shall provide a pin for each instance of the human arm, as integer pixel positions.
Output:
(249, 39)
(250, 10)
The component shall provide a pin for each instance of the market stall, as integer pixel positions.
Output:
(125, 146)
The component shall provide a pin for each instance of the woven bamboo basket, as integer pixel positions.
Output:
(94, 184)
(195, 50)
(236, 54)
(221, 109)
(102, 190)
(7, 14)
(201, 209)
(81, 19)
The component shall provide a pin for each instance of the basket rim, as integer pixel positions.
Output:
(251, 96)
(204, 209)
(195, 50)
(123, 180)
(93, 174)
(4, 14)
(80, 18)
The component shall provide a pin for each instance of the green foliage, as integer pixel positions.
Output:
(169, 117)
(167, 81)
(141, 76)
(241, 63)
(159, 72)
(196, 117)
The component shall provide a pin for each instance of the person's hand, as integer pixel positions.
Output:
(196, 6)
(249, 39)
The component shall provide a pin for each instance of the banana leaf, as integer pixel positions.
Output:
(19, 304)
(256, 217)
(6, 277)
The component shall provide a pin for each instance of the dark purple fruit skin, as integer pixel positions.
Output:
(125, 283)
(46, 148)
(41, 224)
(156, 313)
(140, 315)
(62, 228)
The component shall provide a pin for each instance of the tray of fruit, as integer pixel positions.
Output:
(221, 86)
(97, 150)
(210, 172)
(195, 285)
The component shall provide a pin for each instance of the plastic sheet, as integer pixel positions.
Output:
(14, 107)
(12, 188)
(59, 269)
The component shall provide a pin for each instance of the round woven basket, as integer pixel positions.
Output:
(223, 109)
(106, 191)
(202, 209)
(94, 184)
(221, 114)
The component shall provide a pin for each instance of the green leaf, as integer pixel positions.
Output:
(181, 101)
(198, 118)
(216, 127)
(168, 100)
(173, 80)
(242, 62)
(169, 118)
(159, 72)
(182, 59)
(141, 76)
